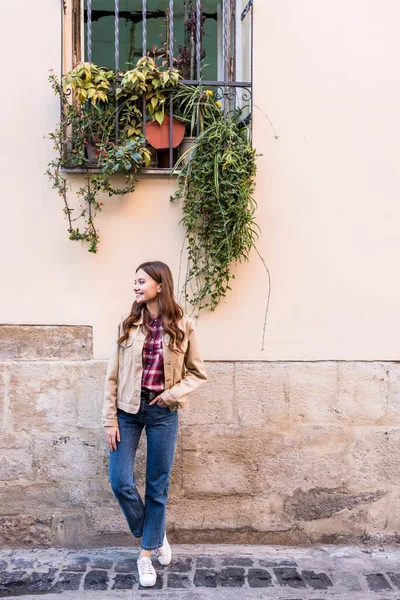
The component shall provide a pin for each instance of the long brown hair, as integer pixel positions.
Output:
(169, 310)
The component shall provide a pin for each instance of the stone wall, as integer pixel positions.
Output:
(268, 452)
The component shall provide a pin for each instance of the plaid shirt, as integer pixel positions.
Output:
(153, 362)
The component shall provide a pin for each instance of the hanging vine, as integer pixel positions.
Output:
(216, 192)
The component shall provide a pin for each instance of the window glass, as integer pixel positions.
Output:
(130, 33)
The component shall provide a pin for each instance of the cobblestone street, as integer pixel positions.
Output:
(206, 571)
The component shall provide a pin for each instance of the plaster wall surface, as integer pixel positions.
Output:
(327, 191)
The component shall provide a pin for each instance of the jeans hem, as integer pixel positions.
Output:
(151, 547)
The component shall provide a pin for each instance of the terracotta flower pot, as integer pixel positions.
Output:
(158, 135)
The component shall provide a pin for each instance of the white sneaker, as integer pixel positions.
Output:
(147, 574)
(164, 554)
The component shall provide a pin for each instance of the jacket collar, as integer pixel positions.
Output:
(139, 321)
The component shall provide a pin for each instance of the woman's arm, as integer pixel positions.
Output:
(109, 412)
(195, 372)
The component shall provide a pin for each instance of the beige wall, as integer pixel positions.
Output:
(328, 193)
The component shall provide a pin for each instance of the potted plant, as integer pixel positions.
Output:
(79, 123)
(150, 81)
(92, 86)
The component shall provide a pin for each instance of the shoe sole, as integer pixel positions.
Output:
(147, 584)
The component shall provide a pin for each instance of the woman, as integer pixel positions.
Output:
(155, 364)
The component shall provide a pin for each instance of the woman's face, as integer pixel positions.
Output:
(145, 287)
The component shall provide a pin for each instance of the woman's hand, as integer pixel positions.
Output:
(159, 401)
(112, 436)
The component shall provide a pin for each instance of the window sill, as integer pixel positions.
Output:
(154, 172)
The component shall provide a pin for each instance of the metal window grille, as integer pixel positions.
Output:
(236, 49)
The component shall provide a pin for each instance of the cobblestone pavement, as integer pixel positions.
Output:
(205, 572)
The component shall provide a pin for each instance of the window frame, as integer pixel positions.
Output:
(73, 51)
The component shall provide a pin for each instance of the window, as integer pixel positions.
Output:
(211, 42)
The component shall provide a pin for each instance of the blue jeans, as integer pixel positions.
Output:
(148, 519)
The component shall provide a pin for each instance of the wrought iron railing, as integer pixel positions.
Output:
(231, 93)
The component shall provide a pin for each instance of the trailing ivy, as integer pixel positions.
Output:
(216, 191)
(90, 124)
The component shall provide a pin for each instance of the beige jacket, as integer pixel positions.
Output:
(183, 373)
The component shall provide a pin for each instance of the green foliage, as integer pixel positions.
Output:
(91, 106)
(215, 186)
(84, 128)
(151, 82)
(197, 107)
(216, 191)
(90, 82)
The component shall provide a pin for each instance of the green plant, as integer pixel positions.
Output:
(90, 82)
(82, 124)
(150, 81)
(216, 191)
(197, 107)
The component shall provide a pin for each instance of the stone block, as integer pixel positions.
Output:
(261, 393)
(45, 342)
(312, 392)
(376, 458)
(26, 530)
(237, 561)
(344, 527)
(316, 581)
(125, 565)
(232, 577)
(306, 457)
(67, 581)
(96, 580)
(75, 563)
(180, 565)
(69, 527)
(90, 381)
(206, 578)
(178, 581)
(46, 497)
(67, 457)
(107, 518)
(393, 399)
(289, 576)
(220, 460)
(124, 581)
(4, 397)
(16, 460)
(40, 583)
(377, 582)
(323, 503)
(259, 578)
(362, 393)
(235, 513)
(213, 402)
(384, 514)
(55, 396)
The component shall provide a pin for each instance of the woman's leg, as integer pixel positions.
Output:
(121, 475)
(161, 432)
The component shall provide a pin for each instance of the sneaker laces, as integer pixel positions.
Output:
(145, 565)
(159, 551)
